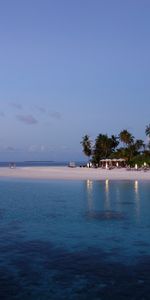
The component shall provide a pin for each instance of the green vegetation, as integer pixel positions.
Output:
(125, 146)
(147, 132)
(87, 145)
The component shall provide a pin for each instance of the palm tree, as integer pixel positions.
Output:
(147, 131)
(126, 137)
(134, 149)
(104, 147)
(87, 145)
(139, 144)
(115, 142)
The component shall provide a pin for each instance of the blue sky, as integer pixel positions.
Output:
(70, 67)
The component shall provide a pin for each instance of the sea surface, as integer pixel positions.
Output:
(84, 240)
(39, 163)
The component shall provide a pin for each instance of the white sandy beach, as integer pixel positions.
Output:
(73, 173)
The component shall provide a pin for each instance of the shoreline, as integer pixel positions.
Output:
(66, 173)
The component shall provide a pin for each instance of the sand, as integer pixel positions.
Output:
(72, 173)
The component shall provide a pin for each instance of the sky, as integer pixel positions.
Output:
(70, 68)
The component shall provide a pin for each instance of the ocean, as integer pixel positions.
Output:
(40, 163)
(74, 240)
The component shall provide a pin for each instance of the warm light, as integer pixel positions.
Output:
(137, 198)
(107, 181)
(107, 184)
(107, 200)
(136, 186)
(89, 184)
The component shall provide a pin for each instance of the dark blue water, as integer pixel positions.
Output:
(74, 240)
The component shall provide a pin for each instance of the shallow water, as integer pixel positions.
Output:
(74, 240)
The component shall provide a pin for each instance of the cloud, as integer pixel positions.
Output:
(43, 148)
(55, 115)
(33, 148)
(10, 148)
(40, 148)
(37, 148)
(4, 148)
(41, 109)
(51, 114)
(27, 119)
(16, 105)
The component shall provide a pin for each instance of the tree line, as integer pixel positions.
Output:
(123, 145)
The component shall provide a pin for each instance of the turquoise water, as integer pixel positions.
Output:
(74, 240)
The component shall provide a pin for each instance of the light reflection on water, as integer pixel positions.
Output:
(114, 216)
(107, 198)
(72, 239)
(137, 199)
(89, 184)
(118, 197)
